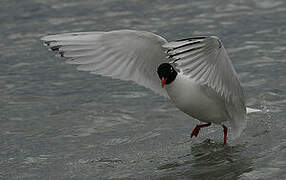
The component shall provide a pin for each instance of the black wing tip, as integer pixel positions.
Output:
(200, 38)
(187, 44)
(48, 43)
(55, 48)
(61, 53)
(192, 38)
(182, 52)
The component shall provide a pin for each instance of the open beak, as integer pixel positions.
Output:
(163, 81)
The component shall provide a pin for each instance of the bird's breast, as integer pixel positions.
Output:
(192, 98)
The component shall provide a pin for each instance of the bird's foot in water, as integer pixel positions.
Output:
(225, 134)
(197, 129)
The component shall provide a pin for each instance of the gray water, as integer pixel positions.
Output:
(58, 123)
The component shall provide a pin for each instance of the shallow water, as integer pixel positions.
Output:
(58, 123)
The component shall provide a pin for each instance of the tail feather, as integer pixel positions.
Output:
(252, 110)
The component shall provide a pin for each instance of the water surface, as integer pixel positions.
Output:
(58, 123)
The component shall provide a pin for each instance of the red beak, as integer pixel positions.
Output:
(163, 81)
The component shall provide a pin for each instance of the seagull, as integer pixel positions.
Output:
(195, 73)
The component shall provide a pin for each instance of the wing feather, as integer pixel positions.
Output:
(123, 54)
(205, 60)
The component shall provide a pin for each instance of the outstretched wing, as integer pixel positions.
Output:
(122, 54)
(205, 60)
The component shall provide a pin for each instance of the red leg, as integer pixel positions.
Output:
(196, 131)
(225, 134)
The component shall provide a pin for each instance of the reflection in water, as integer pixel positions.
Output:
(221, 162)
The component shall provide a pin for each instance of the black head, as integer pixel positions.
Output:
(166, 73)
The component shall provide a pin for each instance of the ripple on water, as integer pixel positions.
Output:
(208, 158)
(266, 4)
(116, 130)
(105, 122)
(130, 95)
(269, 168)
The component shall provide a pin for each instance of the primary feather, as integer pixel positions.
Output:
(205, 60)
(124, 54)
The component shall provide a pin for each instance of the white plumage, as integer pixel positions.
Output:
(123, 54)
(207, 86)
(205, 60)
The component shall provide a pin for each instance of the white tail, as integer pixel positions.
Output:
(252, 110)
